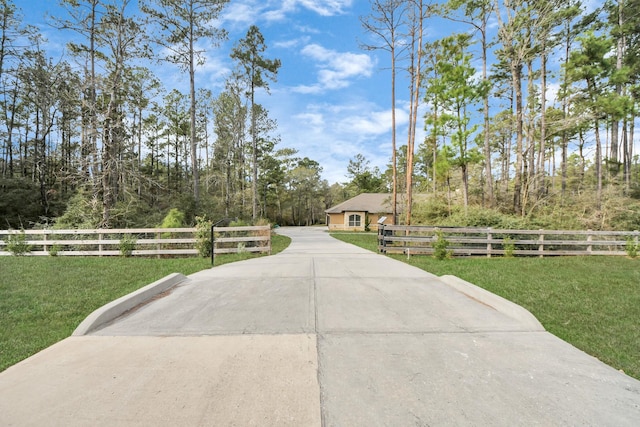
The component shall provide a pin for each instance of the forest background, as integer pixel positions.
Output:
(525, 118)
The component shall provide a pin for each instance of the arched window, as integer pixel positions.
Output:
(354, 220)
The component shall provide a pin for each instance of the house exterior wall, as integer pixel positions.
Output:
(335, 221)
(340, 221)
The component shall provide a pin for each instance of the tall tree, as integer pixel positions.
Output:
(230, 116)
(84, 19)
(477, 14)
(516, 49)
(455, 89)
(305, 183)
(364, 178)
(591, 64)
(122, 35)
(567, 34)
(384, 23)
(11, 31)
(254, 70)
(182, 24)
(417, 14)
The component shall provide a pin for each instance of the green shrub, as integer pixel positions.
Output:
(432, 212)
(53, 250)
(440, 246)
(508, 246)
(632, 247)
(17, 244)
(173, 219)
(84, 211)
(239, 223)
(127, 245)
(477, 217)
(203, 236)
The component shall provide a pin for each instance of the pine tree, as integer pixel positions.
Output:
(254, 70)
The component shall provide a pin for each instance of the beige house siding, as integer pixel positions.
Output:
(368, 206)
(335, 221)
(340, 221)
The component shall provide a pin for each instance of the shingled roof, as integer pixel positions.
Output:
(365, 202)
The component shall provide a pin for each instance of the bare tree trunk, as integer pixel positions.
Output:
(192, 111)
(615, 124)
(487, 140)
(529, 164)
(565, 114)
(543, 121)
(394, 160)
(598, 164)
(415, 100)
(626, 155)
(254, 156)
(516, 79)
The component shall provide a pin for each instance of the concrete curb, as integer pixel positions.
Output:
(112, 310)
(502, 305)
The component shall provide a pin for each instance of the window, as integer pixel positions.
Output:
(354, 220)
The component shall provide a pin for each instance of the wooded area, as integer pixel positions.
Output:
(95, 140)
(529, 110)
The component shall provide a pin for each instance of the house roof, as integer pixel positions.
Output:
(365, 202)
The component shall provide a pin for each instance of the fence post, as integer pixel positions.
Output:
(381, 238)
(158, 245)
(541, 246)
(44, 239)
(589, 238)
(489, 245)
(100, 244)
(213, 244)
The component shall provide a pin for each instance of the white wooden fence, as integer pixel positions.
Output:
(469, 241)
(148, 241)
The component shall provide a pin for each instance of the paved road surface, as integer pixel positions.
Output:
(324, 333)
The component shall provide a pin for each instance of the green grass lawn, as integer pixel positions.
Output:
(590, 302)
(43, 299)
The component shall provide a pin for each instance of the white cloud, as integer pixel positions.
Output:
(332, 133)
(315, 120)
(245, 12)
(288, 44)
(241, 13)
(280, 12)
(552, 93)
(326, 7)
(373, 122)
(336, 68)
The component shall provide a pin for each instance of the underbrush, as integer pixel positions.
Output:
(576, 212)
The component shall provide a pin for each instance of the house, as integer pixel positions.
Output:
(361, 212)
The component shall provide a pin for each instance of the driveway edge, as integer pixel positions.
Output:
(502, 305)
(112, 310)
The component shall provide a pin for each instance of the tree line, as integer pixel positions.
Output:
(94, 139)
(531, 105)
(493, 132)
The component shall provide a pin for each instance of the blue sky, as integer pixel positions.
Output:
(331, 100)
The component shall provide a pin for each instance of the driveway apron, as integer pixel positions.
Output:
(324, 333)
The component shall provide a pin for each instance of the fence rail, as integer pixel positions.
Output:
(469, 241)
(147, 241)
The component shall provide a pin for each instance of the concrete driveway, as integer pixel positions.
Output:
(324, 333)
